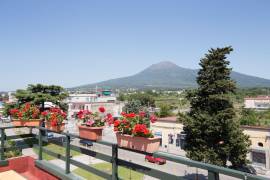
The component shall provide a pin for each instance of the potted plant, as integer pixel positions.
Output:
(54, 118)
(92, 124)
(132, 132)
(27, 115)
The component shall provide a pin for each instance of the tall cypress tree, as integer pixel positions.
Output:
(213, 133)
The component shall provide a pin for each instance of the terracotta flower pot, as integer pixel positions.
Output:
(30, 122)
(55, 128)
(91, 133)
(149, 145)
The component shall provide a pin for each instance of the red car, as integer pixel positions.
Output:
(156, 160)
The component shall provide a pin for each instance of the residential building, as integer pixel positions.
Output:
(171, 133)
(92, 102)
(259, 102)
(11, 98)
(260, 146)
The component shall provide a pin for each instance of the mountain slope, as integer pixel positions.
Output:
(169, 75)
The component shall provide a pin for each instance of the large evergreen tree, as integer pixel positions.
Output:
(213, 134)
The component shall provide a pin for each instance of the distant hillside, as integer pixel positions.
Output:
(169, 75)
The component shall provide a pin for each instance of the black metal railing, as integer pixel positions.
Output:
(213, 171)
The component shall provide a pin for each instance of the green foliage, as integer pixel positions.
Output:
(212, 133)
(121, 97)
(251, 117)
(165, 110)
(133, 106)
(181, 117)
(145, 99)
(7, 107)
(38, 94)
(14, 152)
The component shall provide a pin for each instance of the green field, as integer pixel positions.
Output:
(124, 173)
(55, 148)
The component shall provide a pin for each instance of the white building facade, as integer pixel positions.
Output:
(170, 131)
(260, 102)
(92, 102)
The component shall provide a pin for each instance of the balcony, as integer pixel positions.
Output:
(117, 158)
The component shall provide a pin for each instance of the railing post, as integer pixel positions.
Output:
(67, 154)
(115, 162)
(2, 144)
(213, 175)
(40, 144)
(3, 162)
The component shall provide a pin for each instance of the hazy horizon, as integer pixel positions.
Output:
(83, 42)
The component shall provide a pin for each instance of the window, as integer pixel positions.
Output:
(178, 140)
(258, 158)
(170, 139)
(260, 144)
(182, 140)
(81, 107)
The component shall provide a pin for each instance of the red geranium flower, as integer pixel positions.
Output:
(153, 118)
(139, 128)
(109, 119)
(44, 113)
(54, 122)
(20, 114)
(146, 131)
(130, 115)
(124, 121)
(117, 123)
(142, 114)
(13, 111)
(101, 109)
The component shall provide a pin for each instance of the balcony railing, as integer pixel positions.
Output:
(213, 171)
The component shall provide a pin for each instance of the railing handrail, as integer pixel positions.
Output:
(213, 170)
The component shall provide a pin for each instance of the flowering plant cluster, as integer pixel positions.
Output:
(54, 116)
(96, 119)
(135, 124)
(26, 112)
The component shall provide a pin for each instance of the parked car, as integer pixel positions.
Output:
(156, 160)
(247, 169)
(86, 142)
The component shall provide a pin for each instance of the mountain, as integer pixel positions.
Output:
(167, 75)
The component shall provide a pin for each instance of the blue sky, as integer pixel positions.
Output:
(72, 43)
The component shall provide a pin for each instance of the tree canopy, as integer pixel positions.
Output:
(39, 94)
(133, 106)
(146, 100)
